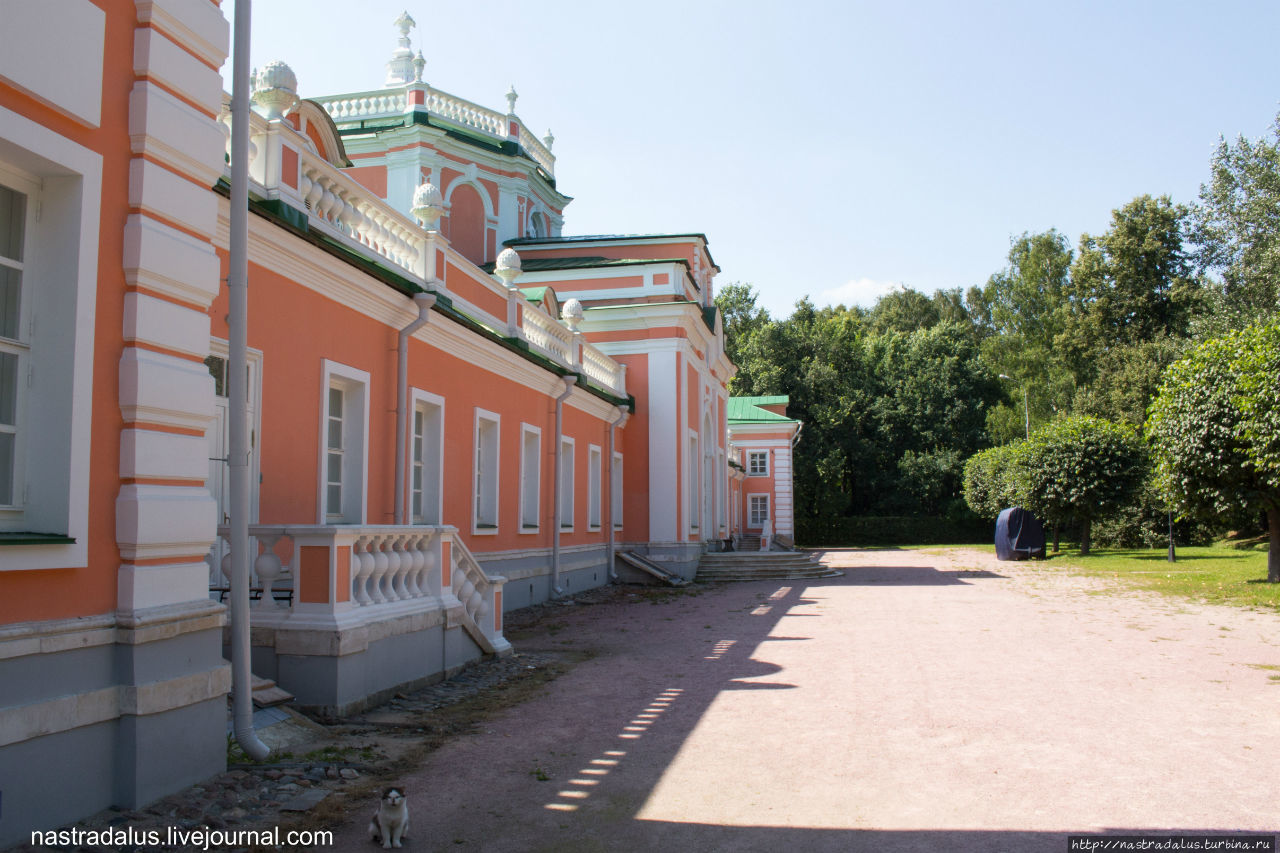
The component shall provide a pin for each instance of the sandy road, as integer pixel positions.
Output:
(925, 701)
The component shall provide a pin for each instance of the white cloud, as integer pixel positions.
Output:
(858, 291)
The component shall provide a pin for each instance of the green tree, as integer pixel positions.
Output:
(1135, 281)
(989, 478)
(1021, 313)
(1126, 378)
(1215, 430)
(1079, 469)
(742, 319)
(1237, 227)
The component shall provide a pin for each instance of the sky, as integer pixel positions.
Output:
(831, 149)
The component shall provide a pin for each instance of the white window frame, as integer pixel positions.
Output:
(19, 346)
(752, 455)
(615, 490)
(751, 513)
(220, 349)
(567, 446)
(693, 492)
(595, 471)
(354, 383)
(486, 496)
(426, 460)
(530, 479)
(65, 254)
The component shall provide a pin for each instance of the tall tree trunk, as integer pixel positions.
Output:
(1273, 549)
(1084, 536)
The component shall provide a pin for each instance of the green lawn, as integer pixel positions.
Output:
(1217, 575)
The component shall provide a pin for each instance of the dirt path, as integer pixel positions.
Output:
(925, 701)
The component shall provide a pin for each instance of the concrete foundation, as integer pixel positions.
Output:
(93, 715)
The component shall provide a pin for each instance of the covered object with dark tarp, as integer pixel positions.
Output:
(1019, 535)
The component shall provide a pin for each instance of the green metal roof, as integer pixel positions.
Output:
(536, 294)
(746, 410)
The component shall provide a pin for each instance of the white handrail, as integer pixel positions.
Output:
(480, 595)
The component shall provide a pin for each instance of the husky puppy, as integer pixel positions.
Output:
(391, 821)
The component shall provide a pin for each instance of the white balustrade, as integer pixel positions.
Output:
(466, 113)
(480, 595)
(265, 572)
(391, 564)
(539, 152)
(603, 370)
(364, 105)
(549, 336)
(349, 208)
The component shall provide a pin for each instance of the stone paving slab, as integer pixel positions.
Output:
(924, 701)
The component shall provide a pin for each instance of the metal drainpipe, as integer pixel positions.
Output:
(238, 455)
(623, 414)
(424, 301)
(569, 382)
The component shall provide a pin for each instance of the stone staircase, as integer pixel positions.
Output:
(761, 565)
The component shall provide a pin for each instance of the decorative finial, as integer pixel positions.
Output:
(512, 94)
(571, 313)
(418, 64)
(549, 140)
(428, 204)
(275, 89)
(404, 23)
(507, 267)
(400, 68)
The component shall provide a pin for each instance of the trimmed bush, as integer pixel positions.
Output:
(893, 530)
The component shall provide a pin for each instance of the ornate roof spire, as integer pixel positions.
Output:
(400, 69)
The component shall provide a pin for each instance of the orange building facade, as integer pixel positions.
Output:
(455, 410)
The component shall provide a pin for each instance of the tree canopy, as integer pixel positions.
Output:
(1215, 430)
(912, 402)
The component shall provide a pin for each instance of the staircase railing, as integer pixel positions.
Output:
(481, 597)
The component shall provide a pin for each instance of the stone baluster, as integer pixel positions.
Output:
(268, 568)
(314, 193)
(378, 574)
(412, 557)
(365, 226)
(350, 218)
(361, 569)
(403, 564)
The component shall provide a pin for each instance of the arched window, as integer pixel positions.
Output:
(466, 223)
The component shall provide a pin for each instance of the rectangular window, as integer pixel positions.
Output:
(566, 484)
(530, 477)
(488, 428)
(615, 496)
(50, 230)
(343, 451)
(15, 346)
(759, 510)
(593, 487)
(691, 481)
(758, 463)
(333, 454)
(426, 457)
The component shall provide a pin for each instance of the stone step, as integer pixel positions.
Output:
(753, 564)
(769, 576)
(267, 693)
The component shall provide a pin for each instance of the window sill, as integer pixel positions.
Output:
(22, 538)
(527, 528)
